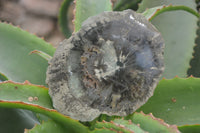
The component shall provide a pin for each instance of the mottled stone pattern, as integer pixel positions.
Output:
(111, 66)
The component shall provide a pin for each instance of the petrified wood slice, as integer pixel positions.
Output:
(111, 66)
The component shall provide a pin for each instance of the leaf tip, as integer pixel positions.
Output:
(26, 82)
(33, 52)
(191, 76)
(176, 76)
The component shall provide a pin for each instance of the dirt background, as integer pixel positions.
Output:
(36, 16)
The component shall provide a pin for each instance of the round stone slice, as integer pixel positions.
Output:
(111, 66)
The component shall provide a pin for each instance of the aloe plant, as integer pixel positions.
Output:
(174, 107)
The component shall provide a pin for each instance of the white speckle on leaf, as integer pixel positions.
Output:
(30, 99)
(35, 98)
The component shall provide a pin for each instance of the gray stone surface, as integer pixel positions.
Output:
(111, 66)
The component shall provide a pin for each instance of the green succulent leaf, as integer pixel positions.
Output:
(87, 8)
(103, 131)
(42, 54)
(151, 124)
(138, 123)
(70, 124)
(47, 127)
(16, 120)
(102, 117)
(119, 125)
(176, 101)
(35, 98)
(26, 92)
(62, 18)
(153, 12)
(177, 29)
(16, 63)
(126, 4)
(190, 128)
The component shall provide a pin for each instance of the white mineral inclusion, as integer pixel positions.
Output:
(110, 61)
(131, 17)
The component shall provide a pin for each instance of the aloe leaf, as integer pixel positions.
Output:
(103, 131)
(47, 127)
(87, 8)
(190, 128)
(26, 92)
(119, 125)
(16, 120)
(153, 12)
(139, 123)
(70, 124)
(16, 63)
(62, 18)
(35, 98)
(126, 4)
(21, 119)
(151, 124)
(117, 4)
(177, 29)
(41, 54)
(102, 117)
(176, 101)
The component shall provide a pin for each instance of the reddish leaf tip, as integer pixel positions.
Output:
(33, 52)
(27, 82)
(104, 121)
(176, 76)
(191, 76)
(112, 2)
